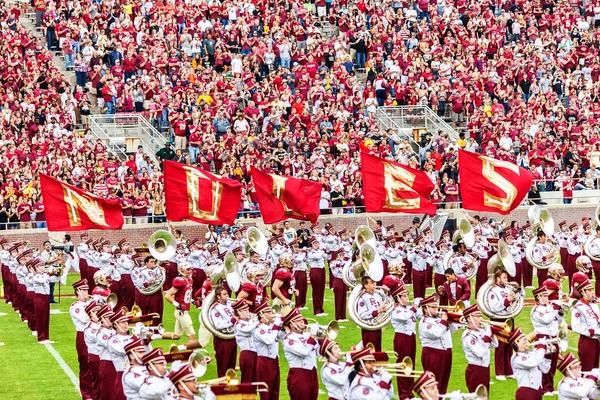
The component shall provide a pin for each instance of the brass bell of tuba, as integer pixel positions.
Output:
(256, 241)
(162, 245)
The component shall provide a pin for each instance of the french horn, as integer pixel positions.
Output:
(502, 259)
(544, 222)
(162, 245)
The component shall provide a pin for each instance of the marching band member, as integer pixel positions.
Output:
(156, 385)
(243, 329)
(553, 283)
(437, 263)
(339, 287)
(92, 258)
(561, 238)
(546, 318)
(434, 333)
(266, 339)
(528, 366)
(404, 321)
(197, 258)
(150, 275)
(574, 386)
(125, 266)
(476, 342)
(487, 231)
(41, 303)
(107, 370)
(81, 250)
(330, 243)
(223, 319)
(50, 258)
(186, 385)
(32, 323)
(90, 334)
(284, 284)
(584, 271)
(574, 250)
(594, 248)
(584, 321)
(299, 271)
(418, 256)
(300, 350)
(280, 247)
(481, 250)
(369, 307)
(136, 372)
(392, 255)
(500, 298)
(21, 276)
(515, 249)
(406, 238)
(81, 320)
(455, 289)
(225, 240)
(315, 258)
(116, 350)
(426, 387)
(4, 258)
(542, 252)
(180, 295)
(334, 373)
(366, 383)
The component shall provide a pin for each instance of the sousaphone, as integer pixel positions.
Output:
(542, 222)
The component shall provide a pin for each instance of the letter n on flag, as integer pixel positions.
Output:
(194, 194)
(487, 184)
(393, 187)
(71, 209)
(283, 197)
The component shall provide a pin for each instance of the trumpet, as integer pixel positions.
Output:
(552, 341)
(501, 330)
(402, 369)
(230, 378)
(330, 331)
(458, 308)
(480, 393)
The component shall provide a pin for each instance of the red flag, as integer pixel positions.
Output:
(487, 184)
(71, 209)
(392, 187)
(194, 194)
(283, 197)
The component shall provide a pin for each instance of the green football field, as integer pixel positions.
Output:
(31, 371)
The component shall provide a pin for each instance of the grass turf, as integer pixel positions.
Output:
(29, 371)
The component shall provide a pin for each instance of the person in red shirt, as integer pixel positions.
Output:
(24, 210)
(180, 295)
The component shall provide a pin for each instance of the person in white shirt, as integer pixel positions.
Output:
(135, 373)
(527, 365)
(223, 319)
(243, 329)
(266, 340)
(365, 384)
(574, 385)
(426, 387)
(156, 385)
(81, 320)
(334, 373)
(584, 321)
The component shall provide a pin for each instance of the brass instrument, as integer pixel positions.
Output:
(376, 322)
(541, 220)
(256, 241)
(458, 308)
(207, 305)
(465, 233)
(480, 393)
(403, 369)
(454, 313)
(330, 331)
(112, 300)
(501, 330)
(54, 270)
(363, 234)
(162, 245)
(232, 275)
(368, 264)
(594, 255)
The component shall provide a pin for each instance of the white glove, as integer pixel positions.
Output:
(156, 336)
(181, 347)
(137, 328)
(176, 365)
(417, 302)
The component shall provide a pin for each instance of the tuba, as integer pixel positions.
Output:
(369, 263)
(544, 222)
(232, 275)
(207, 305)
(256, 241)
(467, 234)
(162, 245)
(502, 259)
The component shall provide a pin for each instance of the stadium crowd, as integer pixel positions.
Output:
(280, 85)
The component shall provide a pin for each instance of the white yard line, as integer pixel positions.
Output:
(63, 365)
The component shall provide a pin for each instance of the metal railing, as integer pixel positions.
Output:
(405, 119)
(123, 131)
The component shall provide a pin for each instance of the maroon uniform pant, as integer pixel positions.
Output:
(119, 395)
(23, 296)
(408, 277)
(16, 300)
(83, 270)
(151, 304)
(564, 258)
(5, 273)
(476, 375)
(248, 366)
(170, 274)
(94, 366)
(302, 286)
(85, 378)
(571, 265)
(482, 274)
(41, 307)
(405, 346)
(198, 278)
(525, 393)
(226, 354)
(32, 322)
(588, 350)
(419, 278)
(91, 270)
(440, 363)
(428, 276)
(596, 269)
(438, 280)
(518, 275)
(267, 371)
(332, 257)
(126, 292)
(303, 384)
(317, 281)
(108, 375)
(542, 275)
(502, 356)
(373, 337)
(528, 273)
(548, 378)
(339, 296)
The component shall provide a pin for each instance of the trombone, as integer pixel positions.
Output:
(501, 330)
(480, 393)
(403, 369)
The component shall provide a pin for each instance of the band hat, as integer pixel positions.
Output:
(312, 240)
(182, 374)
(404, 232)
(117, 252)
(483, 219)
(446, 232)
(105, 311)
(419, 238)
(440, 243)
(272, 239)
(237, 250)
(573, 226)
(566, 362)
(81, 284)
(586, 225)
(426, 379)
(89, 241)
(155, 356)
(377, 231)
(562, 223)
(507, 235)
(526, 226)
(389, 227)
(427, 230)
(3, 240)
(222, 256)
(583, 285)
(542, 290)
(390, 239)
(313, 226)
(477, 231)
(262, 307)
(83, 235)
(35, 262)
(192, 242)
(24, 254)
(118, 316)
(135, 344)
(91, 307)
(293, 243)
(472, 310)
(240, 304)
(179, 246)
(362, 355)
(339, 252)
(122, 242)
(325, 345)
(432, 299)
(515, 336)
(292, 316)
(342, 232)
(399, 291)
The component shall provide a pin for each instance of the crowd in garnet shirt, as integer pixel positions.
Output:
(264, 83)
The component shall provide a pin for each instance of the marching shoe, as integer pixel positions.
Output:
(33, 333)
(549, 394)
(500, 378)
